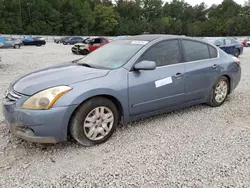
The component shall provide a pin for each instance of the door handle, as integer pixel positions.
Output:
(178, 75)
(215, 66)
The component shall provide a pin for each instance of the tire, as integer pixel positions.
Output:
(83, 121)
(214, 101)
(84, 52)
(236, 52)
(17, 46)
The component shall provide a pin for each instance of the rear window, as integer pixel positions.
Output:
(195, 51)
(213, 52)
(228, 41)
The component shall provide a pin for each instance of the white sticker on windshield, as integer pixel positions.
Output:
(140, 42)
(163, 82)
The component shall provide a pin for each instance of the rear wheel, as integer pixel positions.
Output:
(236, 52)
(220, 92)
(94, 121)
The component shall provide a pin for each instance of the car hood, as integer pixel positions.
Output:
(81, 44)
(62, 74)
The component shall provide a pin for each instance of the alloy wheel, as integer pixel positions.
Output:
(98, 123)
(221, 91)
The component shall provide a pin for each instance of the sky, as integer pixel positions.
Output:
(208, 2)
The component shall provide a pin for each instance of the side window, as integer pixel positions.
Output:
(219, 42)
(195, 51)
(104, 41)
(228, 41)
(213, 52)
(235, 42)
(97, 41)
(164, 53)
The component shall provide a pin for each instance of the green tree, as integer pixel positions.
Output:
(105, 20)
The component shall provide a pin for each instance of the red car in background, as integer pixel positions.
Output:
(97, 43)
(89, 45)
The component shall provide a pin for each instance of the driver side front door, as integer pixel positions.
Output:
(161, 88)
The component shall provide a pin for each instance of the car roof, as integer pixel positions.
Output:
(149, 37)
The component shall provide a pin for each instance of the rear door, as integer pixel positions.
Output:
(79, 39)
(160, 88)
(201, 69)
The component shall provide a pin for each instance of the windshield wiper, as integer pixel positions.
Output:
(76, 61)
(85, 65)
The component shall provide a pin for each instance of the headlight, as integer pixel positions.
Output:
(45, 99)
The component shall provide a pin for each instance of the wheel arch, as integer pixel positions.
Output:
(117, 103)
(229, 81)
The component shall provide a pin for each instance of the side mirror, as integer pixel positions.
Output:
(145, 65)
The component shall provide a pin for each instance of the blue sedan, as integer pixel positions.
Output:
(73, 40)
(125, 80)
(228, 45)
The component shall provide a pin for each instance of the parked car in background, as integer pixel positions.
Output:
(246, 42)
(61, 40)
(230, 46)
(120, 37)
(38, 41)
(89, 45)
(9, 42)
(122, 81)
(73, 40)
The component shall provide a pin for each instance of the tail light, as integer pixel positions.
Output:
(236, 60)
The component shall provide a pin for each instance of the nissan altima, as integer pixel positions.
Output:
(125, 80)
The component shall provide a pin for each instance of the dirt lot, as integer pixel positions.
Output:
(193, 147)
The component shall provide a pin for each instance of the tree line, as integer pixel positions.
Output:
(123, 17)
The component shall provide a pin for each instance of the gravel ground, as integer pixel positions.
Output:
(193, 147)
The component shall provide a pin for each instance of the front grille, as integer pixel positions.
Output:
(11, 97)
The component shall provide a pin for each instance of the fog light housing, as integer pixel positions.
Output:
(26, 130)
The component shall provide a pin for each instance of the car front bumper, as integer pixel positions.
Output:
(28, 134)
(40, 126)
(75, 50)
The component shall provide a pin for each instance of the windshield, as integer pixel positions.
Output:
(113, 55)
(86, 41)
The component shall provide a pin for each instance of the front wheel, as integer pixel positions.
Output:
(94, 121)
(17, 46)
(84, 52)
(220, 92)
